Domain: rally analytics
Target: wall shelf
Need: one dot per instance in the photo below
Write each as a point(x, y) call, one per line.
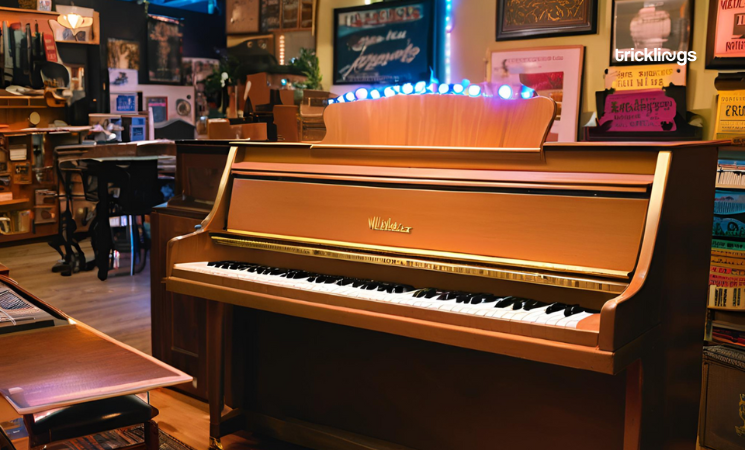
point(731, 186)
point(15, 201)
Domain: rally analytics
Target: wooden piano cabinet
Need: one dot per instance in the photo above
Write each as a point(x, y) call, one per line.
point(178, 321)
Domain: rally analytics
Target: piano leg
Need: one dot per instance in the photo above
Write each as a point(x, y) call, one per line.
point(215, 369)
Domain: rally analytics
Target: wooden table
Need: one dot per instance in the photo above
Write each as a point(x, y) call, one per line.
point(71, 363)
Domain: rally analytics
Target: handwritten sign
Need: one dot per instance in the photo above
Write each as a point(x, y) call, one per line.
point(382, 43)
point(625, 78)
point(634, 111)
point(730, 114)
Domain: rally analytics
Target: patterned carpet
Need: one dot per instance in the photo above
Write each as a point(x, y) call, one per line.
point(111, 440)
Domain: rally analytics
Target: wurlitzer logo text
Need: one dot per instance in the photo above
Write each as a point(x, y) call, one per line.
point(378, 224)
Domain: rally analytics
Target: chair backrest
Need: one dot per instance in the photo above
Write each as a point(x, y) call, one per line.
point(285, 117)
point(252, 131)
point(259, 90)
point(220, 129)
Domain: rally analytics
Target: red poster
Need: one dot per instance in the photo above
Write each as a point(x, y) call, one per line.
point(50, 47)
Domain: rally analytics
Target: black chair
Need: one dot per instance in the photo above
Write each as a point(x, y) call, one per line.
point(136, 182)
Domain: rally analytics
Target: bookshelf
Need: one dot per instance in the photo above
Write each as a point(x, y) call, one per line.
point(726, 300)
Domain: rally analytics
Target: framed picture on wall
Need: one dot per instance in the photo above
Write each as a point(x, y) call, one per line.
point(123, 54)
point(164, 40)
point(384, 43)
point(160, 108)
point(529, 19)
point(553, 72)
point(657, 28)
point(725, 37)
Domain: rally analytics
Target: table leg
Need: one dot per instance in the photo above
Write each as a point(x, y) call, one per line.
point(215, 369)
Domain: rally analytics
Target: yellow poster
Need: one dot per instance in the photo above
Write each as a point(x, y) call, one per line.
point(626, 78)
point(730, 115)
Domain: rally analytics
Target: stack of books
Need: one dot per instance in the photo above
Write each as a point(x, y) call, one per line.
point(730, 172)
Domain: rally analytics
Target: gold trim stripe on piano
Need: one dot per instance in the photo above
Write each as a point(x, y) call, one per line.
point(439, 254)
point(388, 260)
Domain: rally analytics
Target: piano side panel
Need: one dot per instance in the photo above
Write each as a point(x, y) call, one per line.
point(423, 395)
point(596, 232)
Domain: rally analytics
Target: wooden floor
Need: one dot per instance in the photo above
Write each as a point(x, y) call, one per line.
point(119, 306)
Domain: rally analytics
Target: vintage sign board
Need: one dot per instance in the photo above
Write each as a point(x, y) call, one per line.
point(625, 78)
point(384, 43)
point(730, 122)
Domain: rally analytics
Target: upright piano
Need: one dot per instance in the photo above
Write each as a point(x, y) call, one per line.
point(434, 276)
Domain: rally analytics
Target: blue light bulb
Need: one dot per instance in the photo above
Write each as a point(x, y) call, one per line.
point(458, 88)
point(375, 94)
point(526, 92)
point(361, 94)
point(474, 90)
point(407, 88)
point(349, 96)
point(340, 99)
point(389, 92)
point(420, 87)
point(330, 101)
point(443, 88)
point(505, 91)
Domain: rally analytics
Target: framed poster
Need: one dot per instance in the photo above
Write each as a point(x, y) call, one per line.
point(122, 79)
point(384, 43)
point(125, 102)
point(725, 36)
point(269, 15)
point(164, 39)
point(160, 108)
point(554, 72)
point(640, 25)
point(242, 16)
point(123, 54)
point(528, 19)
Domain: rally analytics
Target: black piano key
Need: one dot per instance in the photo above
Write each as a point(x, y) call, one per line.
point(555, 307)
point(426, 293)
point(345, 281)
point(533, 304)
point(506, 302)
point(449, 295)
point(483, 298)
point(399, 288)
point(572, 310)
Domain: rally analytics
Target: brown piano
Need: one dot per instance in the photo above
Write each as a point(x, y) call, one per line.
point(432, 276)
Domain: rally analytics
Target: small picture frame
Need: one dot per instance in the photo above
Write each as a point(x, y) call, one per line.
point(123, 103)
point(44, 5)
point(553, 72)
point(663, 26)
point(22, 173)
point(529, 19)
point(725, 36)
point(160, 108)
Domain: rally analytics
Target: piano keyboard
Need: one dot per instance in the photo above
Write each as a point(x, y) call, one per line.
point(506, 308)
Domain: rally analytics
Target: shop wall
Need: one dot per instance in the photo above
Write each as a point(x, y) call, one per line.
point(203, 33)
point(474, 33)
